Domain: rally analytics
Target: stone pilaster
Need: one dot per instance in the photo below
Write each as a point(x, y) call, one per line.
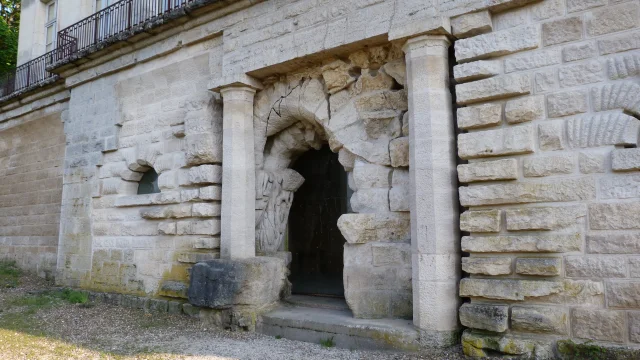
point(434, 205)
point(237, 237)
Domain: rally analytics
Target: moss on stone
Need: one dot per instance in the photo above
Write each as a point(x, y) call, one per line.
point(588, 350)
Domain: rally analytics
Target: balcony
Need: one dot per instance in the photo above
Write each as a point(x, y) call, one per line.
point(117, 22)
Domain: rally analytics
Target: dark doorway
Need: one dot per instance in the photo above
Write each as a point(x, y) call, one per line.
point(314, 239)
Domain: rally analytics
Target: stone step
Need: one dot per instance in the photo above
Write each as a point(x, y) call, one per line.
point(315, 325)
point(318, 302)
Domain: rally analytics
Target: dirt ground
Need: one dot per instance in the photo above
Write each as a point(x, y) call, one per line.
point(37, 322)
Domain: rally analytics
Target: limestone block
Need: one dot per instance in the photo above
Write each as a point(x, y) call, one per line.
point(591, 163)
point(391, 254)
point(552, 136)
point(405, 124)
point(493, 88)
point(367, 176)
point(487, 266)
point(619, 95)
point(471, 24)
point(370, 200)
point(634, 266)
point(497, 44)
point(208, 243)
point(203, 149)
point(561, 31)
point(170, 197)
point(611, 324)
point(595, 267)
point(539, 319)
point(579, 5)
point(623, 294)
point(549, 165)
point(615, 44)
point(499, 142)
point(397, 70)
point(530, 244)
point(559, 190)
point(545, 80)
point(399, 151)
point(473, 344)
point(364, 228)
point(539, 266)
point(612, 18)
point(347, 159)
point(369, 290)
point(614, 216)
point(399, 199)
point(508, 289)
point(621, 67)
point(211, 193)
point(205, 174)
point(480, 221)
point(476, 70)
point(525, 109)
point(198, 227)
point(206, 209)
point(579, 51)
point(478, 116)
point(532, 60)
point(381, 124)
point(567, 103)
point(167, 228)
point(254, 282)
point(336, 76)
point(544, 218)
point(373, 80)
point(616, 243)
point(634, 327)
point(547, 9)
point(625, 159)
point(616, 129)
point(400, 178)
point(580, 74)
point(485, 317)
point(168, 180)
point(166, 212)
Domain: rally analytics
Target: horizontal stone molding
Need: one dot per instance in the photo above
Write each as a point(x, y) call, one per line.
point(524, 244)
point(508, 289)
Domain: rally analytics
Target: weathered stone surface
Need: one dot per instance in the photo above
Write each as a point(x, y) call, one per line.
point(634, 266)
point(584, 292)
point(545, 80)
point(487, 266)
point(551, 135)
point(614, 216)
point(548, 165)
point(533, 244)
point(595, 267)
point(221, 284)
point(623, 66)
point(165, 212)
point(369, 291)
point(363, 228)
point(506, 169)
point(532, 60)
point(539, 319)
point(625, 159)
point(615, 44)
point(539, 266)
point(170, 197)
point(497, 44)
point(567, 103)
point(623, 294)
point(206, 209)
point(370, 201)
point(615, 243)
point(198, 227)
point(634, 327)
point(561, 31)
point(544, 218)
point(478, 116)
point(399, 151)
point(623, 95)
point(614, 129)
point(399, 199)
point(167, 228)
point(204, 174)
point(203, 149)
point(580, 74)
point(471, 24)
point(336, 76)
point(591, 163)
point(397, 69)
point(610, 326)
point(508, 289)
point(612, 19)
point(507, 141)
point(367, 176)
point(210, 193)
point(579, 5)
point(579, 51)
point(391, 254)
point(485, 317)
point(480, 221)
point(473, 344)
point(525, 109)
point(547, 9)
point(476, 70)
point(559, 190)
point(493, 88)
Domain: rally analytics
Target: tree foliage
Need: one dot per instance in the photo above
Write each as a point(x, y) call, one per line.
point(9, 29)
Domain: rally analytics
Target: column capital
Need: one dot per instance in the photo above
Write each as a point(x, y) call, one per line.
point(423, 41)
point(235, 81)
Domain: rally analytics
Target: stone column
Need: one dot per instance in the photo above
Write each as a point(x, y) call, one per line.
point(237, 236)
point(434, 202)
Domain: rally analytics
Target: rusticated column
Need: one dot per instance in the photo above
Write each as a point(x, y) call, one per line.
point(434, 204)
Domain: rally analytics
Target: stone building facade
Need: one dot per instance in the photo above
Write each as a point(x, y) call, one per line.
point(489, 149)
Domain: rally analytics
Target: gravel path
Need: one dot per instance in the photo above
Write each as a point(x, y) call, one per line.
point(67, 331)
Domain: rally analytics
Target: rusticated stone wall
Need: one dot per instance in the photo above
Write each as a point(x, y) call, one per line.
point(31, 158)
point(549, 113)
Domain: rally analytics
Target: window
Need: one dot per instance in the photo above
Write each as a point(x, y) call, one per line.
point(50, 26)
point(149, 183)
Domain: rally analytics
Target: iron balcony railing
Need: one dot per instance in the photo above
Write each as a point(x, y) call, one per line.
point(112, 21)
point(28, 74)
